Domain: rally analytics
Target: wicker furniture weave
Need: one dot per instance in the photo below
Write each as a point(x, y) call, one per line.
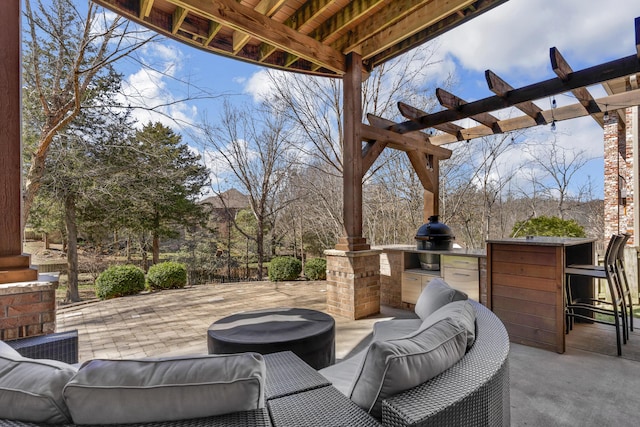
point(287, 374)
point(473, 392)
point(62, 346)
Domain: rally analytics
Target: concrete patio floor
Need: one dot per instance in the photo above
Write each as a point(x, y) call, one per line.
point(547, 389)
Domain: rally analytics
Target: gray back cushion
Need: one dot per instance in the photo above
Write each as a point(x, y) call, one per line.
point(436, 294)
point(168, 389)
point(393, 366)
point(461, 312)
point(31, 389)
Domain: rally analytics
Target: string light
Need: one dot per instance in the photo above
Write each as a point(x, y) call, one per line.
point(606, 113)
point(553, 103)
point(553, 126)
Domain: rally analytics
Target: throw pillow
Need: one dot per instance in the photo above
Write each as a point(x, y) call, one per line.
point(436, 294)
point(165, 389)
point(461, 312)
point(393, 366)
point(31, 389)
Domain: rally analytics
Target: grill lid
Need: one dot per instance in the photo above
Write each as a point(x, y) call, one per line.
point(434, 230)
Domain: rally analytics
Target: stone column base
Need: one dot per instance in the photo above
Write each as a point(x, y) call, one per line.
point(27, 309)
point(353, 283)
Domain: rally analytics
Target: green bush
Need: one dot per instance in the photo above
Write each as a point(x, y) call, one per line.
point(548, 226)
point(119, 280)
point(284, 268)
point(316, 269)
point(167, 275)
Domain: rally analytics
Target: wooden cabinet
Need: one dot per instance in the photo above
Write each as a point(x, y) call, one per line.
point(413, 282)
point(462, 273)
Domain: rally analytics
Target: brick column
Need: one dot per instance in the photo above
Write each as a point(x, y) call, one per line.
point(27, 310)
point(391, 266)
point(353, 283)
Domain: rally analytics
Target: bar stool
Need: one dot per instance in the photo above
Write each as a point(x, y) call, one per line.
point(586, 308)
point(625, 289)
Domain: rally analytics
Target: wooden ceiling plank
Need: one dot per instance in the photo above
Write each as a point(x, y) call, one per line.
point(344, 18)
point(502, 89)
point(242, 18)
point(567, 112)
point(563, 70)
point(308, 11)
point(453, 102)
point(589, 76)
point(372, 41)
point(410, 112)
point(267, 8)
point(418, 141)
point(145, 8)
point(178, 18)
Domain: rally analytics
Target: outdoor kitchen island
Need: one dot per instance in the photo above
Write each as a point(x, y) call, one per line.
point(402, 277)
point(525, 285)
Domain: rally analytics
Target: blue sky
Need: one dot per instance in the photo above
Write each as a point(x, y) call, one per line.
point(512, 40)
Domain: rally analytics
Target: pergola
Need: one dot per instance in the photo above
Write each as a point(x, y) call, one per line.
point(340, 39)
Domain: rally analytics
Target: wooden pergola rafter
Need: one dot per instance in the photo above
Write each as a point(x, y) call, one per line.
point(619, 78)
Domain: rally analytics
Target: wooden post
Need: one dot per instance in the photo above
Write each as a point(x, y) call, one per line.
point(14, 267)
point(352, 239)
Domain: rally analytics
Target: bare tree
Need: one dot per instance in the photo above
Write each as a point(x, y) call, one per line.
point(66, 52)
point(254, 146)
point(315, 105)
point(559, 166)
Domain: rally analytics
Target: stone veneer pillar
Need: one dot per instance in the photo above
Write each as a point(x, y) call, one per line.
point(353, 283)
point(619, 177)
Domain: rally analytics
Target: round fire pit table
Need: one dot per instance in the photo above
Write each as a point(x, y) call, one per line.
point(310, 334)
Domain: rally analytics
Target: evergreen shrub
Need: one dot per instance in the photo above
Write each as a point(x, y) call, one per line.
point(167, 275)
point(284, 268)
point(548, 226)
point(119, 280)
point(316, 269)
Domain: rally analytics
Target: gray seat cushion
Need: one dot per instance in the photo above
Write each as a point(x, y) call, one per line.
point(31, 389)
point(342, 374)
point(167, 389)
point(436, 294)
point(396, 328)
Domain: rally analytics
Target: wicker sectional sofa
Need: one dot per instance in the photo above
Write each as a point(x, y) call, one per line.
point(474, 391)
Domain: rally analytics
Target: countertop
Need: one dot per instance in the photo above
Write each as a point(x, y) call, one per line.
point(544, 241)
point(477, 253)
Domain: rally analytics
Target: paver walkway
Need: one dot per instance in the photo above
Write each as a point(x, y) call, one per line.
point(175, 322)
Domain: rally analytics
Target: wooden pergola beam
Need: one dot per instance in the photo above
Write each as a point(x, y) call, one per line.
point(589, 76)
point(453, 102)
point(558, 114)
point(413, 142)
point(411, 113)
point(502, 89)
point(563, 70)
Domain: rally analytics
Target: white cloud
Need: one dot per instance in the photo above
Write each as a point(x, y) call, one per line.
point(516, 36)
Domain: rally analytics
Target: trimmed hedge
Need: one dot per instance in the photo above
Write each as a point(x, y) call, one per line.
point(284, 268)
point(167, 275)
point(316, 269)
point(120, 280)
